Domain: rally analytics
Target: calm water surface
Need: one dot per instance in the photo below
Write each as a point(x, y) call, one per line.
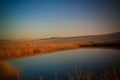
point(94, 60)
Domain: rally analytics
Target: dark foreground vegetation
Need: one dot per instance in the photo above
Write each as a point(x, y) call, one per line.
point(8, 72)
point(112, 74)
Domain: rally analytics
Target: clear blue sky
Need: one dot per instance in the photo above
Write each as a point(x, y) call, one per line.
point(57, 18)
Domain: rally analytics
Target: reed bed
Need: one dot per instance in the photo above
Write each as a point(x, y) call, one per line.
point(112, 74)
point(19, 51)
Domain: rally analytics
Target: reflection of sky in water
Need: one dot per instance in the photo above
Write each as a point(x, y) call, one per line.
point(64, 61)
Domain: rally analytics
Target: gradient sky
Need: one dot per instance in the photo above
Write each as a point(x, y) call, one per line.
point(57, 18)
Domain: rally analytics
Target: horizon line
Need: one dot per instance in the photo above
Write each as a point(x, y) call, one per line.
point(32, 38)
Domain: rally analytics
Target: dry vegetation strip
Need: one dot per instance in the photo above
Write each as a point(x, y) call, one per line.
point(18, 51)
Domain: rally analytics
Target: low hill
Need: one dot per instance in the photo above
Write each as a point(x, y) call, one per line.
point(89, 38)
point(10, 49)
point(113, 37)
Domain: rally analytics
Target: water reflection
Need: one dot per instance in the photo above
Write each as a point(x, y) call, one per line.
point(59, 63)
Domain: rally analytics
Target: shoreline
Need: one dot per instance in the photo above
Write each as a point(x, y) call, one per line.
point(20, 51)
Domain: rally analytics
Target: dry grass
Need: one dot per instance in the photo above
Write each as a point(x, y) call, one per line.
point(18, 51)
point(7, 52)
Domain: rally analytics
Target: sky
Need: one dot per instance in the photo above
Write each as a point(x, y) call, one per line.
point(58, 18)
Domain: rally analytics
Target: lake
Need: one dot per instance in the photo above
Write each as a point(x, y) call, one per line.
point(59, 63)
